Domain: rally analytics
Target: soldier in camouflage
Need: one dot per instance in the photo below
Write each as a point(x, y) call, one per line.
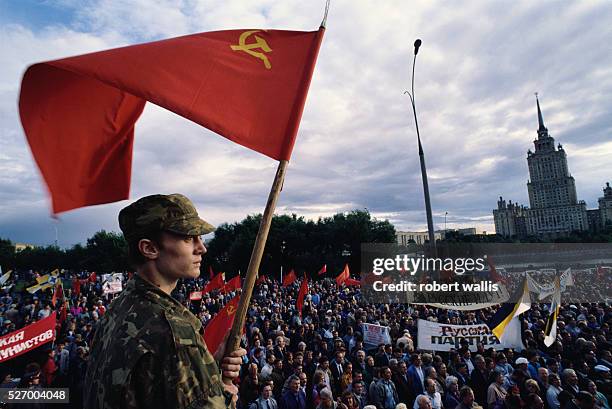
point(148, 351)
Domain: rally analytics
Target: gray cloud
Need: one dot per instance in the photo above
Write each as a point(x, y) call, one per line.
point(477, 70)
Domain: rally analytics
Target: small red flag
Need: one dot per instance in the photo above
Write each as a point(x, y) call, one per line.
point(289, 278)
point(344, 275)
point(218, 326)
point(352, 281)
point(57, 293)
point(217, 282)
point(495, 276)
point(76, 286)
point(260, 279)
point(232, 285)
point(92, 277)
point(323, 270)
point(249, 86)
point(301, 294)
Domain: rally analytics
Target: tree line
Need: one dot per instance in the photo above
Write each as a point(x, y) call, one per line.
point(293, 243)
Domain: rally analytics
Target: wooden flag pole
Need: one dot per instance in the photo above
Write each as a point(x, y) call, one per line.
point(233, 341)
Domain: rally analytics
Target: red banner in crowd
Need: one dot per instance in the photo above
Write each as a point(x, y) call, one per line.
point(27, 338)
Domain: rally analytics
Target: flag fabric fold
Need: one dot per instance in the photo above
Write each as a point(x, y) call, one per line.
point(218, 326)
point(5, 277)
point(550, 329)
point(508, 311)
point(352, 281)
point(301, 294)
point(58, 292)
point(45, 281)
point(217, 282)
point(79, 113)
point(289, 279)
point(232, 285)
point(323, 270)
point(344, 275)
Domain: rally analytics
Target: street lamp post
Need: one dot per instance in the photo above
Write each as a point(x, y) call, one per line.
point(430, 229)
point(445, 214)
point(282, 249)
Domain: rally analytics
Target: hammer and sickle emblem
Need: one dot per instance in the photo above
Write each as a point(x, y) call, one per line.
point(230, 310)
point(248, 48)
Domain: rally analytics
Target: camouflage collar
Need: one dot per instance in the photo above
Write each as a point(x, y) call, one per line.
point(167, 302)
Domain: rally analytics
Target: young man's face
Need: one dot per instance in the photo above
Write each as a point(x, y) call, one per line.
point(180, 256)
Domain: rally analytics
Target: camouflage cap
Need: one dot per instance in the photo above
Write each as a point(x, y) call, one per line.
point(174, 213)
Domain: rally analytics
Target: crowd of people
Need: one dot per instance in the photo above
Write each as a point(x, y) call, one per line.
point(320, 359)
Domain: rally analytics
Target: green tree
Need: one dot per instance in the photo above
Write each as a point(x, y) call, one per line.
point(7, 254)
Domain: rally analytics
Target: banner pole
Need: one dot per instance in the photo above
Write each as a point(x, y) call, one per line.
point(233, 341)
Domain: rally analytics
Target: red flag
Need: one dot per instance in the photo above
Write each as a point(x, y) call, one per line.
point(260, 279)
point(289, 278)
point(344, 275)
point(58, 292)
point(301, 294)
point(232, 285)
point(495, 276)
point(76, 286)
point(323, 270)
point(249, 86)
point(211, 273)
point(218, 281)
point(92, 277)
point(195, 295)
point(352, 281)
point(63, 313)
point(218, 326)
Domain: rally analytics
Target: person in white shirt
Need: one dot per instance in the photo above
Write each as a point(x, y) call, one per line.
point(434, 397)
point(265, 401)
point(267, 369)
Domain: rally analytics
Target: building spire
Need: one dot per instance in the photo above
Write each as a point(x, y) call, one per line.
point(541, 127)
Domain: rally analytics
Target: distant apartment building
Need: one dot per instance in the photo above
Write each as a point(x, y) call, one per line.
point(418, 237)
point(554, 208)
point(23, 246)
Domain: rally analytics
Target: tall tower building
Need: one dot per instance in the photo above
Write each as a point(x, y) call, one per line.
point(605, 206)
point(554, 208)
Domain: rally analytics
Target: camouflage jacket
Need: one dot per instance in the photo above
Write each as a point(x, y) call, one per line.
point(148, 352)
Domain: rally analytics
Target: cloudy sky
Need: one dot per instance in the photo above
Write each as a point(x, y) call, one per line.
point(477, 71)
